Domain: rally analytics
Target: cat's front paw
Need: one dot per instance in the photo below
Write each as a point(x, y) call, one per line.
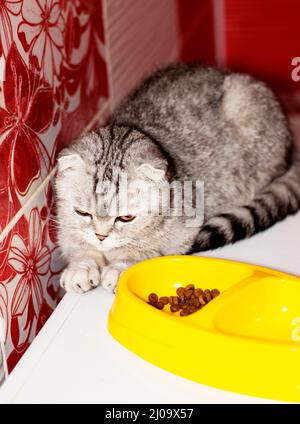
point(80, 277)
point(111, 274)
point(109, 278)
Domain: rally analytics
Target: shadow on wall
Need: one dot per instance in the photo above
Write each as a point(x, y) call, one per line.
point(260, 38)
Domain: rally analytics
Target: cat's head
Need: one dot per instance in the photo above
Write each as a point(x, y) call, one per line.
point(103, 184)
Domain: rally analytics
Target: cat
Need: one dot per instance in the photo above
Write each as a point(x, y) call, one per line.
point(184, 122)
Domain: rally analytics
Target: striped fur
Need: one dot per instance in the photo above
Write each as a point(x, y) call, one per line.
point(278, 200)
point(183, 123)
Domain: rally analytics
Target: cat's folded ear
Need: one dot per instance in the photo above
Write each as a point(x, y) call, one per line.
point(151, 172)
point(68, 160)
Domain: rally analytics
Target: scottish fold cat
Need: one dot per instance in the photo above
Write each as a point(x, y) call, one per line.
point(184, 123)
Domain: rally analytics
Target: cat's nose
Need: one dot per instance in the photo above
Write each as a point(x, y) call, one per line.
point(101, 237)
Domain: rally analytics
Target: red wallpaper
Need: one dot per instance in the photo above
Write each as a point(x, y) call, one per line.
point(196, 22)
point(254, 36)
point(53, 79)
point(263, 38)
point(64, 64)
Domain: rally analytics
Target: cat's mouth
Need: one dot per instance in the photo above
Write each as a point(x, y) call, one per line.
point(101, 237)
point(110, 244)
point(105, 246)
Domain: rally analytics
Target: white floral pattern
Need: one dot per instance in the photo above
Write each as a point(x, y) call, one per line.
point(47, 49)
point(42, 34)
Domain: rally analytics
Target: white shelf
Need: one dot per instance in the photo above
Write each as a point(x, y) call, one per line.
point(75, 360)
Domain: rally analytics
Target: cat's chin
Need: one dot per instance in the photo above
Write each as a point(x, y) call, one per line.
point(106, 246)
point(102, 248)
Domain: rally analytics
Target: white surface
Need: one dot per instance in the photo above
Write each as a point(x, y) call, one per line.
point(75, 360)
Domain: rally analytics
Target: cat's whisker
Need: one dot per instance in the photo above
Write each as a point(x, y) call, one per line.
point(186, 123)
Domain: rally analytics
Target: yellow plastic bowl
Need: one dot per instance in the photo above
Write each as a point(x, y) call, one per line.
point(246, 340)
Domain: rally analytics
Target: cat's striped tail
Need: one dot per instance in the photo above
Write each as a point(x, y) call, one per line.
point(279, 199)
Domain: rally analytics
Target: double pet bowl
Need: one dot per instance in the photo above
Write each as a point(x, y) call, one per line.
point(246, 340)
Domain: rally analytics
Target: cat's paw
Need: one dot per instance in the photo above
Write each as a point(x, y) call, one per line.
point(109, 278)
point(80, 277)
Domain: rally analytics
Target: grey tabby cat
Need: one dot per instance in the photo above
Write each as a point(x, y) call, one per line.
point(185, 122)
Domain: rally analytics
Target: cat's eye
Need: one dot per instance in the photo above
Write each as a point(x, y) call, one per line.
point(126, 218)
point(82, 213)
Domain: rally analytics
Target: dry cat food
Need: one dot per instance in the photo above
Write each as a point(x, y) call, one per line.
point(188, 300)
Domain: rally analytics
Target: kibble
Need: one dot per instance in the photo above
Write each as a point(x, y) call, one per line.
point(180, 292)
point(215, 293)
point(188, 293)
point(153, 298)
point(188, 300)
point(174, 308)
point(173, 300)
point(198, 292)
point(202, 300)
point(164, 300)
point(207, 295)
point(159, 305)
point(195, 302)
point(190, 287)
